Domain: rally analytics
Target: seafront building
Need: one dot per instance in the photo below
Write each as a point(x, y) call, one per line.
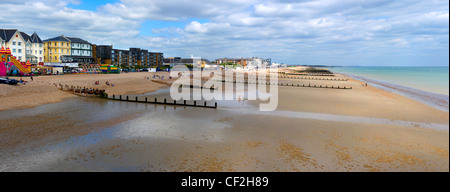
point(63, 49)
point(81, 51)
point(250, 63)
point(134, 57)
point(173, 61)
point(55, 48)
point(23, 47)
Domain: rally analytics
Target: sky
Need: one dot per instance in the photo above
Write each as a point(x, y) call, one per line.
point(307, 32)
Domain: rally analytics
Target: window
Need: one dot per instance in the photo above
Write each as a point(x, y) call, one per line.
point(35, 51)
point(14, 42)
point(14, 51)
point(40, 45)
point(40, 52)
point(20, 50)
point(56, 58)
point(55, 44)
point(67, 44)
point(20, 58)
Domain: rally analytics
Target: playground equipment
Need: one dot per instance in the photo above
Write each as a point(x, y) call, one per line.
point(109, 68)
point(90, 68)
point(8, 61)
point(98, 68)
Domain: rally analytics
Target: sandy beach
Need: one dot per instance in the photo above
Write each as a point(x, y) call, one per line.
point(362, 129)
point(42, 90)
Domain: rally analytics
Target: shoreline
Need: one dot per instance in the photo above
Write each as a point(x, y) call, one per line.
point(432, 99)
point(423, 85)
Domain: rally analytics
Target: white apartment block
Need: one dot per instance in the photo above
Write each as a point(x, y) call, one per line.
point(23, 46)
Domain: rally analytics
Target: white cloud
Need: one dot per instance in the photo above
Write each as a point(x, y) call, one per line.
point(281, 29)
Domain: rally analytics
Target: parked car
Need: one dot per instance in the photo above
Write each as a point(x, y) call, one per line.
point(8, 81)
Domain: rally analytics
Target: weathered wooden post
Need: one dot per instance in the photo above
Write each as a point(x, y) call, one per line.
point(114, 96)
point(195, 103)
point(146, 99)
point(120, 97)
point(127, 98)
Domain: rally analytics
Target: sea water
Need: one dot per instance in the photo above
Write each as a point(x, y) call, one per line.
point(429, 85)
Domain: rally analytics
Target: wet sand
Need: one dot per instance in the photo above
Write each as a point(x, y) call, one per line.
point(82, 134)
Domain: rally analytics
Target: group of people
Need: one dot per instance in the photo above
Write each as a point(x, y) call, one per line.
point(107, 83)
point(22, 81)
point(159, 77)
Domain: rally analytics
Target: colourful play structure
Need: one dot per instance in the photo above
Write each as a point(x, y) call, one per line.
point(90, 68)
point(98, 68)
point(9, 63)
point(109, 68)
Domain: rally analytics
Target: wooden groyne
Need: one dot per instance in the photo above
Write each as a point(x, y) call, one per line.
point(196, 87)
point(90, 92)
point(290, 85)
point(308, 74)
point(82, 91)
point(312, 78)
point(183, 103)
